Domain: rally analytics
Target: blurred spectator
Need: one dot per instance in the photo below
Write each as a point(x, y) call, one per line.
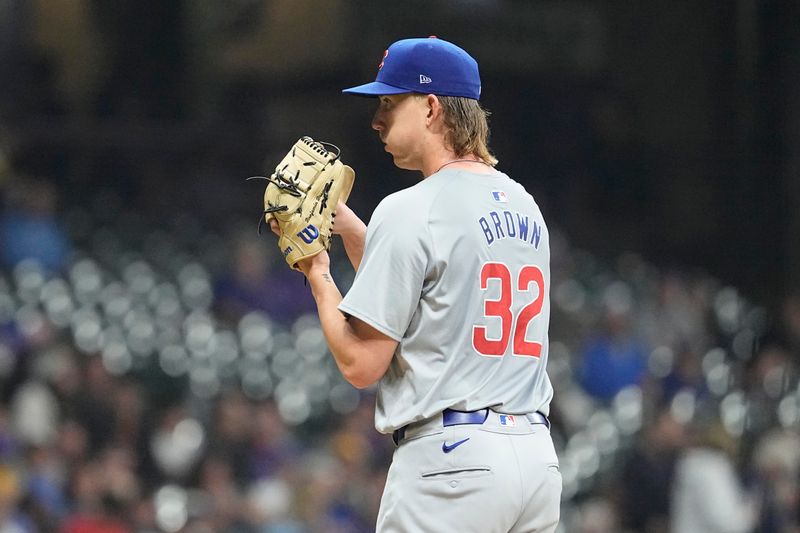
point(767, 380)
point(45, 479)
point(614, 358)
point(271, 507)
point(686, 374)
point(275, 459)
point(122, 482)
point(96, 510)
point(776, 461)
point(233, 428)
point(222, 502)
point(92, 403)
point(647, 476)
point(129, 404)
point(274, 446)
point(597, 515)
point(707, 494)
point(11, 520)
point(260, 280)
point(8, 444)
point(29, 228)
point(329, 503)
point(684, 303)
point(35, 414)
point(73, 443)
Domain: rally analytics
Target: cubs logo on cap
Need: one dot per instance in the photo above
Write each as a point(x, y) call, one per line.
point(427, 66)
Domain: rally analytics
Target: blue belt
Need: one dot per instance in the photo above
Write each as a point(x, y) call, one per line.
point(451, 417)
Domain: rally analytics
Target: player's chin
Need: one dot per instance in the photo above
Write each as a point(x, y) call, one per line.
point(401, 163)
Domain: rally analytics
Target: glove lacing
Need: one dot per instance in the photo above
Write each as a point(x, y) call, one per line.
point(288, 184)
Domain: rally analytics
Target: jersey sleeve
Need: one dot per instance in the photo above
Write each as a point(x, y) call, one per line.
point(387, 287)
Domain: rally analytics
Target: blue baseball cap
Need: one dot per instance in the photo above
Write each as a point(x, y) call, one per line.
point(427, 66)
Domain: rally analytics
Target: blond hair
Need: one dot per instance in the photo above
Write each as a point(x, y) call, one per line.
point(467, 124)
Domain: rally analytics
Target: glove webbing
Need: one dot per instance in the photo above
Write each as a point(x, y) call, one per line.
point(289, 185)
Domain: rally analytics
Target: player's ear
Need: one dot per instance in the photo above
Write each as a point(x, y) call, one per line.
point(434, 108)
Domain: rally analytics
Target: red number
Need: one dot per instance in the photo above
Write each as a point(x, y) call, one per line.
point(501, 309)
point(497, 308)
point(529, 274)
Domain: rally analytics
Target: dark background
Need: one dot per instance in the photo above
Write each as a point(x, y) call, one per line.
point(666, 128)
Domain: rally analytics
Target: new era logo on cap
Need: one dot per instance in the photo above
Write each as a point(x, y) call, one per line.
point(424, 79)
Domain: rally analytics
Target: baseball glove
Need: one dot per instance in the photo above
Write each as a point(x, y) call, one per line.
point(302, 195)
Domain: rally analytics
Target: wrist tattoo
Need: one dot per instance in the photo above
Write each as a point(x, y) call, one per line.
point(327, 277)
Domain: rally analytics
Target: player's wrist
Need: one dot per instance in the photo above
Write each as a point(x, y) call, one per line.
point(323, 287)
point(318, 271)
point(317, 265)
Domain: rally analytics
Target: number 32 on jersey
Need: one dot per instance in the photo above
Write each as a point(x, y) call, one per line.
point(513, 328)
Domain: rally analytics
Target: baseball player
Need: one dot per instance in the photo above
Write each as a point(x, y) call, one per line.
point(449, 310)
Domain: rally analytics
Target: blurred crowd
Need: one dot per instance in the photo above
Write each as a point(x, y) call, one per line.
point(147, 384)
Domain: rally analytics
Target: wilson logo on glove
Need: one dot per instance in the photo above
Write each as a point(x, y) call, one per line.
point(309, 234)
point(302, 195)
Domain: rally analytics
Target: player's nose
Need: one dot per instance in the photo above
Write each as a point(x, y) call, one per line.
point(377, 122)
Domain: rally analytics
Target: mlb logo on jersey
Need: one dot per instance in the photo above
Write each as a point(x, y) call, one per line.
point(500, 196)
point(508, 420)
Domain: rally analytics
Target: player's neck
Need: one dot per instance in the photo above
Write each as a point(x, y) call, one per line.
point(468, 162)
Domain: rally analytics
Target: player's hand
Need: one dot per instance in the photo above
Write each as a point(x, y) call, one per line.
point(273, 225)
point(320, 263)
point(346, 223)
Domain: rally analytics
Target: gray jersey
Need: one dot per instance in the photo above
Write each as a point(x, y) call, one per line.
point(457, 270)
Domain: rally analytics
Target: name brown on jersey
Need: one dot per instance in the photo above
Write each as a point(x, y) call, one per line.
point(499, 225)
